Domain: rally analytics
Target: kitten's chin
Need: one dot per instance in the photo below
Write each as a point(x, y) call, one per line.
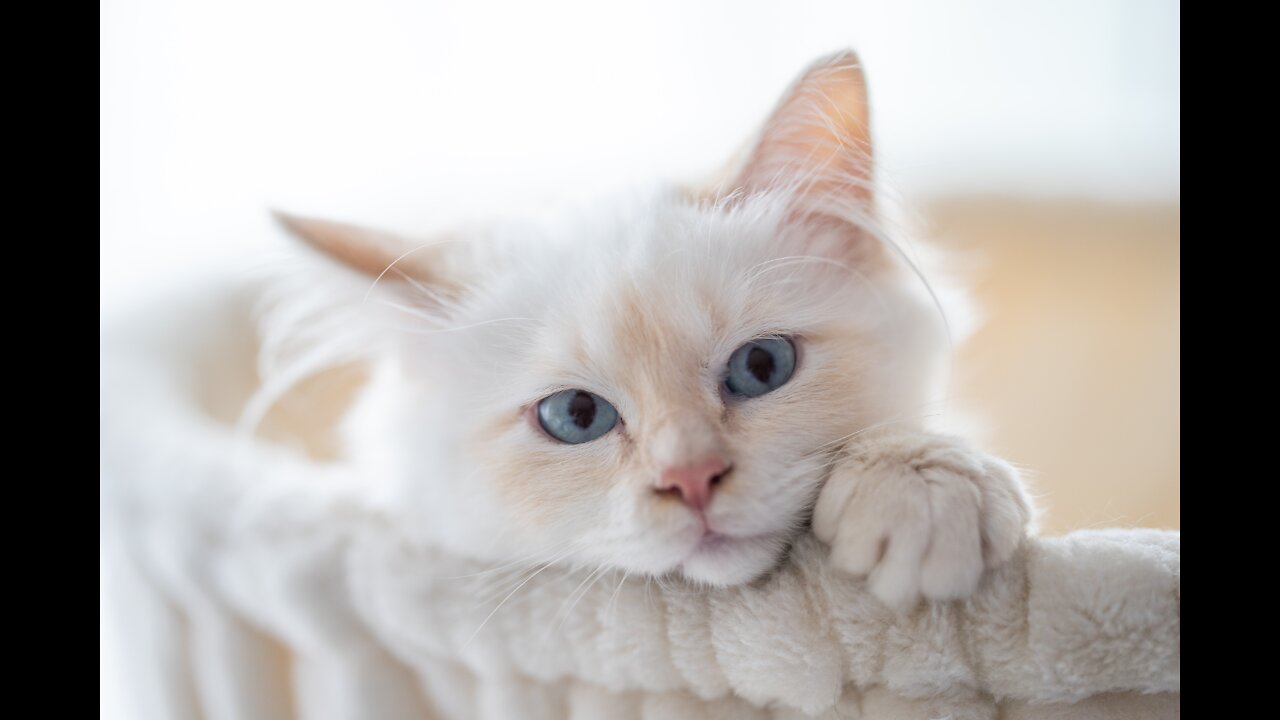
point(723, 561)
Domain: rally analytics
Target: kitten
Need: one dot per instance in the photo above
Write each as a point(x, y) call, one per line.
point(677, 385)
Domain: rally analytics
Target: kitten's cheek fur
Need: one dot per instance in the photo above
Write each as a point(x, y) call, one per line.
point(921, 516)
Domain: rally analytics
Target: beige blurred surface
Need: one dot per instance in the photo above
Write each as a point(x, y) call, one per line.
point(1075, 373)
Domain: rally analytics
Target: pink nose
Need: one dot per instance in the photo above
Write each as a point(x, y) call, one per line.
point(694, 482)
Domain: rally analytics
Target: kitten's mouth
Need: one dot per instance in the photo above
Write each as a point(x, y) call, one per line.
point(714, 543)
point(721, 560)
point(711, 540)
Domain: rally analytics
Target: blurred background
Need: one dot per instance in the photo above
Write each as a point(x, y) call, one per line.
point(1039, 138)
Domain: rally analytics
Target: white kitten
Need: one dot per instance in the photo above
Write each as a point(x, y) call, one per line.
point(665, 387)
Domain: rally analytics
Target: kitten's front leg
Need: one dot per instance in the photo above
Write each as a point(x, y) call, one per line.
point(920, 514)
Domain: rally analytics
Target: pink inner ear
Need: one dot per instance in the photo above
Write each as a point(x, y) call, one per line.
point(368, 251)
point(818, 140)
point(379, 254)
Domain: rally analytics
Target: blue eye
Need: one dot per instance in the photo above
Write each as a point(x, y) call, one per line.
point(760, 366)
point(576, 416)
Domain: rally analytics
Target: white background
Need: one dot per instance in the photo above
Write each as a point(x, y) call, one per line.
point(415, 114)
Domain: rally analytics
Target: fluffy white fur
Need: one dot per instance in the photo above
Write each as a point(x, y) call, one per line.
point(239, 552)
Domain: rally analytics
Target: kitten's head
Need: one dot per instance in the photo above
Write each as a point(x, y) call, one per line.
point(661, 386)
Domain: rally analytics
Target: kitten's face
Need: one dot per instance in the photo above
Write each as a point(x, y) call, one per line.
point(647, 317)
point(705, 473)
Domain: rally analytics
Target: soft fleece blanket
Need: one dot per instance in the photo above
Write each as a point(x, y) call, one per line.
point(256, 591)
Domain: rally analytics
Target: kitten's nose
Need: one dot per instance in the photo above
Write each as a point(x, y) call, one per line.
point(694, 482)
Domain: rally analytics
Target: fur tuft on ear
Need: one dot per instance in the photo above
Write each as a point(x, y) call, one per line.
point(818, 139)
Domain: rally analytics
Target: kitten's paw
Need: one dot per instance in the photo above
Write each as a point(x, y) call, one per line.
point(921, 515)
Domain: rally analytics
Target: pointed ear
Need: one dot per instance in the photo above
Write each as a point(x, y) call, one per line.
point(380, 254)
point(818, 140)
